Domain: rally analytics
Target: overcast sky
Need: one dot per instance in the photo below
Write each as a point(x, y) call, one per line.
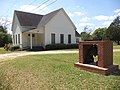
point(91, 13)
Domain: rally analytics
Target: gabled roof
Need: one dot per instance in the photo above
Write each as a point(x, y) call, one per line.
point(46, 18)
point(34, 20)
point(31, 20)
point(28, 19)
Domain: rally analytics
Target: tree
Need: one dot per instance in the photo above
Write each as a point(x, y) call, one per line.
point(5, 38)
point(99, 34)
point(3, 29)
point(113, 31)
point(86, 36)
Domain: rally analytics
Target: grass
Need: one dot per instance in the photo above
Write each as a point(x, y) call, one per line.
point(3, 51)
point(53, 72)
point(116, 47)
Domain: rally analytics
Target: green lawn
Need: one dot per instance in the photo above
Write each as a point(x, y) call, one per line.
point(53, 72)
point(116, 47)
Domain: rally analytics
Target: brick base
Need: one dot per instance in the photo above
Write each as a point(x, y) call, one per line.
point(96, 69)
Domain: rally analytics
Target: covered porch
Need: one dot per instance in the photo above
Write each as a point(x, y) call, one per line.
point(32, 38)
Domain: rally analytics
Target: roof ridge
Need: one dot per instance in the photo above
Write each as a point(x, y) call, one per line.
point(28, 13)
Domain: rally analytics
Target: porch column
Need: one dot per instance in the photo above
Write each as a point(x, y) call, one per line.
point(30, 40)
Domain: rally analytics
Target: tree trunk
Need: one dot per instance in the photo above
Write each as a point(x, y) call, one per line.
point(118, 43)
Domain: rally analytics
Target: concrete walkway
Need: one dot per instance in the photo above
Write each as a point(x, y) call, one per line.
point(4, 57)
point(10, 56)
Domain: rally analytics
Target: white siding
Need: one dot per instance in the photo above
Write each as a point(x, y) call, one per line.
point(25, 40)
point(16, 30)
point(59, 24)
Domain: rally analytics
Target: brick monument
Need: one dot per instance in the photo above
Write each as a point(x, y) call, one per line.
point(104, 50)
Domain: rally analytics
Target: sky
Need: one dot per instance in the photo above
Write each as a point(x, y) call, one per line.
point(92, 14)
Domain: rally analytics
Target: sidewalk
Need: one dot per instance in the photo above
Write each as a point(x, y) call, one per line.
point(4, 57)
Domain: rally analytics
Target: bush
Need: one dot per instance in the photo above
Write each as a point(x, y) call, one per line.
point(14, 48)
point(37, 48)
point(60, 46)
point(72, 46)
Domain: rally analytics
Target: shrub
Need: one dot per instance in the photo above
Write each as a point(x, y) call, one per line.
point(37, 48)
point(60, 46)
point(72, 46)
point(14, 48)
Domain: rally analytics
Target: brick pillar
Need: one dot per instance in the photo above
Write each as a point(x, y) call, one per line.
point(81, 53)
point(108, 54)
point(100, 55)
